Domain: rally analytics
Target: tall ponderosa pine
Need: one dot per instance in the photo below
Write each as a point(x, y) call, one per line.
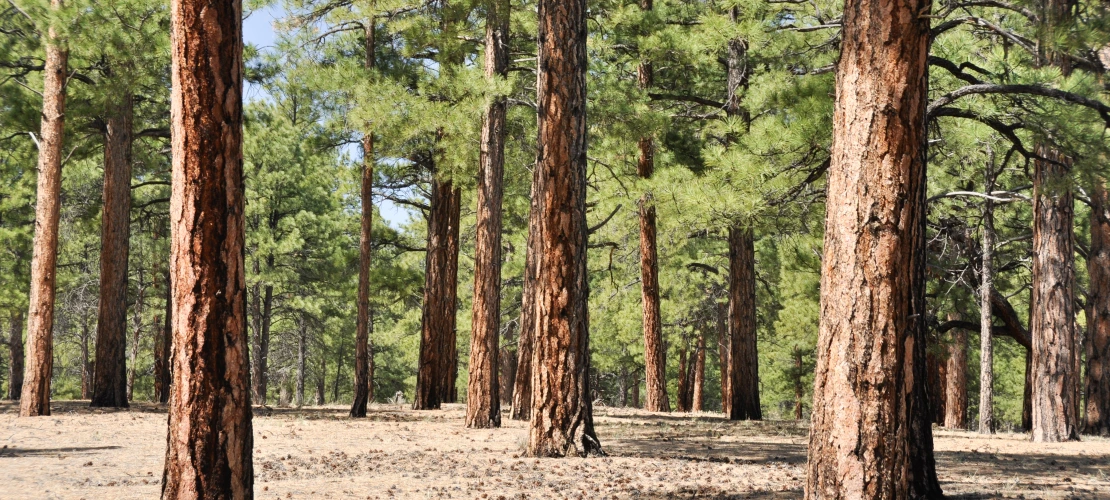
point(364, 358)
point(438, 314)
point(562, 413)
point(483, 398)
point(39, 361)
point(871, 434)
point(522, 386)
point(655, 361)
point(110, 387)
point(209, 448)
point(1098, 315)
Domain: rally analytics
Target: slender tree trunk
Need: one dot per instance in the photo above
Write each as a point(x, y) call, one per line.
point(209, 447)
point(724, 347)
point(256, 339)
point(744, 358)
point(86, 365)
point(683, 388)
point(439, 310)
point(302, 361)
point(15, 349)
point(955, 408)
point(655, 361)
point(870, 435)
point(338, 372)
point(264, 343)
point(450, 369)
point(635, 390)
point(39, 363)
point(364, 359)
point(139, 301)
point(522, 386)
point(483, 399)
point(109, 386)
point(698, 393)
point(562, 413)
point(986, 334)
point(320, 380)
point(1053, 308)
point(1098, 315)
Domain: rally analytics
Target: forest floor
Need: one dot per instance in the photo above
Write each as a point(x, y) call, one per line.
point(317, 452)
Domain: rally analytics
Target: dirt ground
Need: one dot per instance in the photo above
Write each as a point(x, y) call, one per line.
point(397, 453)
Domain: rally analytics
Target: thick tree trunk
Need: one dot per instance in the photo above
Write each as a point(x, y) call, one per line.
point(39, 363)
point(15, 349)
point(744, 358)
point(697, 394)
point(483, 397)
point(562, 413)
point(109, 386)
point(302, 361)
point(1053, 306)
point(163, 349)
point(209, 447)
point(522, 386)
point(955, 408)
point(437, 320)
point(655, 361)
point(724, 348)
point(870, 436)
point(1098, 316)
point(364, 359)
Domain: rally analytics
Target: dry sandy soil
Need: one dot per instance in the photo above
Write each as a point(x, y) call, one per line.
point(399, 453)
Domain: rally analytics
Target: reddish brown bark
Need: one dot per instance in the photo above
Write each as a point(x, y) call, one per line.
point(697, 393)
point(109, 369)
point(483, 401)
point(1052, 324)
point(955, 406)
point(364, 358)
point(655, 361)
point(744, 357)
point(15, 349)
point(449, 372)
point(438, 314)
point(562, 414)
point(935, 365)
point(870, 435)
point(522, 386)
point(724, 347)
point(1098, 316)
point(39, 362)
point(209, 447)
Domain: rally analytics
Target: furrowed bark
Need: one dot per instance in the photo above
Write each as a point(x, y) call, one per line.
point(1098, 316)
point(698, 393)
point(562, 414)
point(724, 348)
point(870, 435)
point(209, 447)
point(1052, 325)
point(364, 359)
point(483, 401)
point(438, 310)
point(110, 388)
point(449, 372)
point(744, 358)
point(39, 361)
point(655, 361)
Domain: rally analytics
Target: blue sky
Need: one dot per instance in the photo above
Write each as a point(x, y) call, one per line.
point(258, 30)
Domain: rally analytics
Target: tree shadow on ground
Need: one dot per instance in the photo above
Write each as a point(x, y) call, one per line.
point(983, 474)
point(72, 450)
